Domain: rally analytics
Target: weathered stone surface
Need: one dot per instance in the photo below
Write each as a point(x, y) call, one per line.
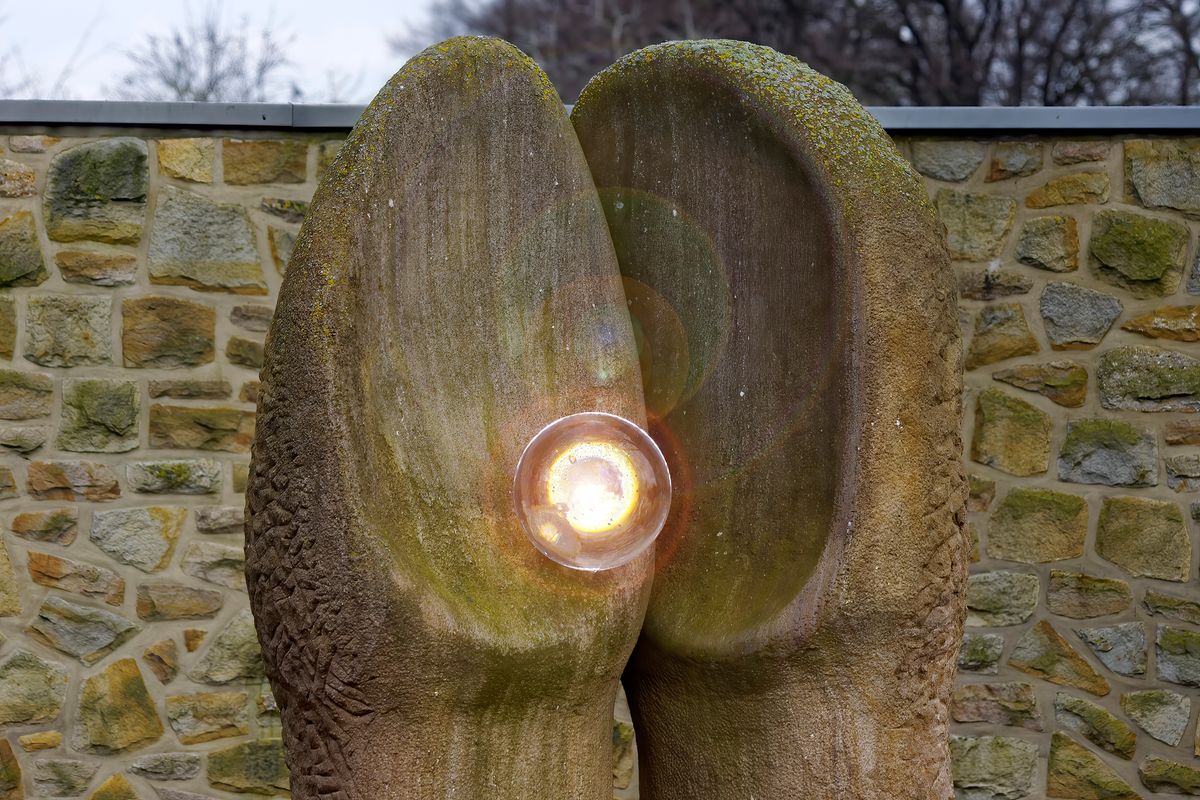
point(16, 179)
point(252, 317)
point(71, 480)
point(23, 439)
point(624, 757)
point(250, 161)
point(1164, 173)
point(1038, 525)
point(1178, 655)
point(1141, 254)
point(1050, 243)
point(1000, 332)
point(187, 159)
point(8, 327)
point(162, 658)
point(1063, 382)
point(97, 191)
point(62, 777)
point(193, 638)
point(1095, 724)
point(83, 632)
point(99, 416)
point(177, 794)
point(175, 476)
point(1121, 648)
point(241, 473)
point(326, 152)
point(1180, 608)
point(976, 224)
point(10, 774)
point(281, 242)
point(116, 713)
point(167, 766)
point(946, 160)
point(206, 716)
point(1046, 654)
point(25, 395)
point(220, 564)
point(220, 519)
point(96, 269)
point(40, 740)
point(982, 492)
point(1180, 323)
point(1170, 777)
point(1001, 598)
point(8, 483)
point(68, 330)
point(1183, 472)
point(159, 601)
point(21, 261)
point(256, 767)
point(39, 143)
point(1067, 190)
point(1067, 153)
point(115, 787)
point(10, 594)
point(991, 282)
point(1080, 596)
point(77, 577)
point(1144, 378)
point(191, 389)
point(981, 653)
point(992, 767)
point(1079, 774)
point(233, 656)
point(1075, 317)
point(1015, 160)
point(167, 332)
point(1012, 704)
point(244, 352)
point(250, 392)
point(286, 209)
point(1010, 434)
point(228, 430)
point(1110, 452)
point(1144, 537)
point(1161, 713)
point(143, 537)
point(31, 689)
point(203, 244)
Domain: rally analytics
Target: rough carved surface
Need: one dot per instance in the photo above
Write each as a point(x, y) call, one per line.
point(453, 290)
point(809, 583)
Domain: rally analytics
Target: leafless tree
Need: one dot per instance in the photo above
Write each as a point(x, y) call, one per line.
point(929, 52)
point(209, 60)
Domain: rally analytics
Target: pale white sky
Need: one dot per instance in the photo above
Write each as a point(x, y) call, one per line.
point(348, 36)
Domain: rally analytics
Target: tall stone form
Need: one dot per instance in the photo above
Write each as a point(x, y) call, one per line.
point(801, 362)
point(454, 290)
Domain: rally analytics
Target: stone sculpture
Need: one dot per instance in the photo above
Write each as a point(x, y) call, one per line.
point(778, 278)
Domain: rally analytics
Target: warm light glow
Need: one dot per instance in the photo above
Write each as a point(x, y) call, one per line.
point(592, 491)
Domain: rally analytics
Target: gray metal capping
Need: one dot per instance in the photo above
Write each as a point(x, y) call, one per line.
point(305, 117)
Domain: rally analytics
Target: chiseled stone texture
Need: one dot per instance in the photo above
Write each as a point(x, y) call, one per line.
point(1010, 435)
point(187, 159)
point(142, 537)
point(204, 244)
point(1043, 652)
point(116, 712)
point(1038, 525)
point(249, 161)
point(1075, 317)
point(1095, 724)
point(946, 160)
point(976, 224)
point(1050, 243)
point(99, 416)
point(1077, 773)
point(1144, 537)
point(1080, 596)
point(1001, 332)
point(32, 689)
point(1012, 704)
point(21, 260)
point(67, 330)
point(97, 191)
point(1159, 712)
point(175, 476)
point(1110, 452)
point(1121, 648)
point(167, 332)
point(1145, 378)
point(84, 632)
point(1001, 598)
point(987, 767)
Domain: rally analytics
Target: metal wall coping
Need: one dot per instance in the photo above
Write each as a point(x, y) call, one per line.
point(341, 117)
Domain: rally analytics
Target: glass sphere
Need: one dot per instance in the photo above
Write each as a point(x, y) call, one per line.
point(592, 491)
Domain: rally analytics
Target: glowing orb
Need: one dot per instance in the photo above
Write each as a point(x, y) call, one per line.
point(592, 491)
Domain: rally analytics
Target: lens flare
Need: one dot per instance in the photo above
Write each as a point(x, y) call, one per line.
point(592, 491)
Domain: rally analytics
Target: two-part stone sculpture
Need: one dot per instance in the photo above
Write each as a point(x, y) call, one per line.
point(512, 345)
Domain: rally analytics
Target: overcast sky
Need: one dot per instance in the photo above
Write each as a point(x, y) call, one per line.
point(92, 37)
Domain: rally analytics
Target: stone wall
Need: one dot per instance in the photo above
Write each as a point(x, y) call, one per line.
point(139, 269)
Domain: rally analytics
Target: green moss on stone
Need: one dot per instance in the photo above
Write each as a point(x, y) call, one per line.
point(1142, 254)
point(1159, 774)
